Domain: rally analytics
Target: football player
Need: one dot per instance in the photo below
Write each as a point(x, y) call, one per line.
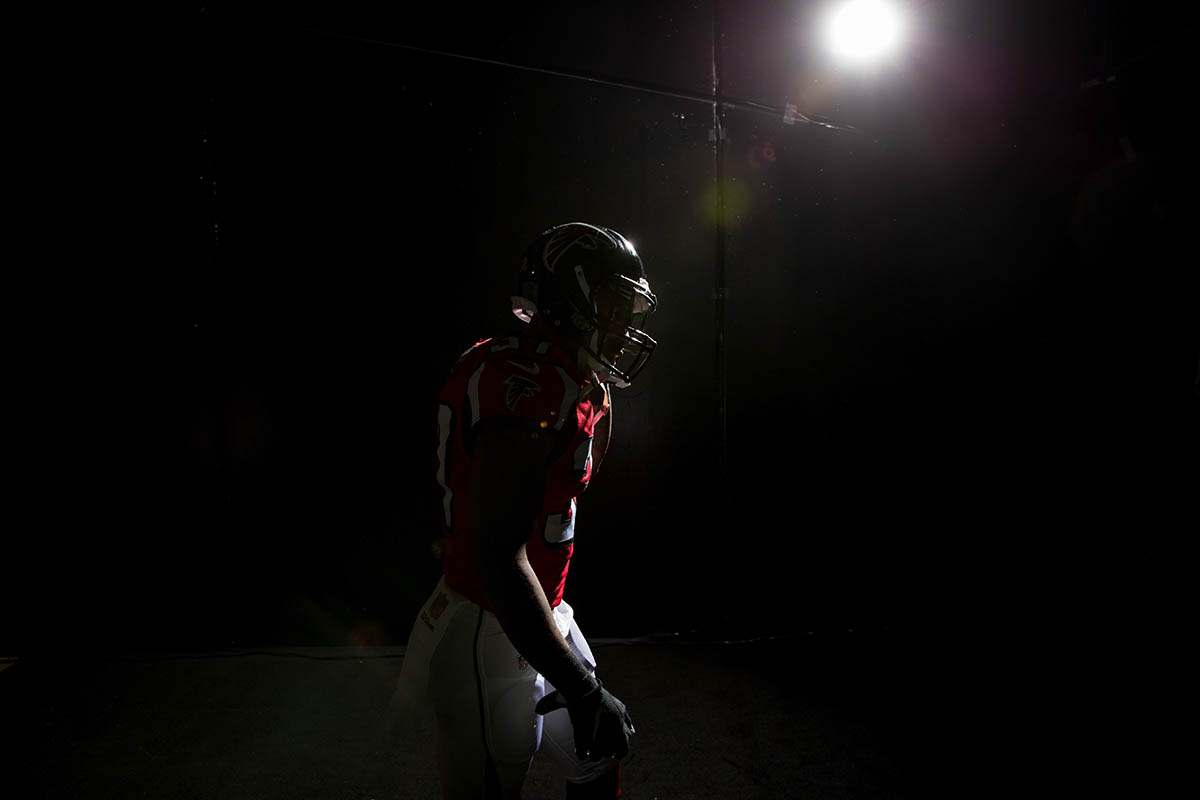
point(523, 423)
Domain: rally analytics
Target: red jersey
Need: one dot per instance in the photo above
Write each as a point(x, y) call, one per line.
point(527, 378)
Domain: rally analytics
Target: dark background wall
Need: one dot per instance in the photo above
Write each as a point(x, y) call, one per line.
point(961, 352)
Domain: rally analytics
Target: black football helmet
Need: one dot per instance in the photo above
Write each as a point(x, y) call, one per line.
point(588, 282)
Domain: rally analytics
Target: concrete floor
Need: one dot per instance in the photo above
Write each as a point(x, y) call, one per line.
point(822, 716)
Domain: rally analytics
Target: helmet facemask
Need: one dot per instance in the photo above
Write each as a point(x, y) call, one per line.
point(616, 343)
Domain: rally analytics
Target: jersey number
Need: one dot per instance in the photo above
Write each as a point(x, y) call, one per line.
point(560, 528)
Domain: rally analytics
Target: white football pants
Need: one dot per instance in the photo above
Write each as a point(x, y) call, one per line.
point(483, 692)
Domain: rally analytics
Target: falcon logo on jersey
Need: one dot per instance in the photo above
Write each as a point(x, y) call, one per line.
point(519, 387)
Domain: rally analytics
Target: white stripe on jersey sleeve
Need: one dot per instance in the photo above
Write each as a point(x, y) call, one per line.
point(473, 392)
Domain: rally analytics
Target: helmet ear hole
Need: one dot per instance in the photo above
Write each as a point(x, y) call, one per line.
point(580, 322)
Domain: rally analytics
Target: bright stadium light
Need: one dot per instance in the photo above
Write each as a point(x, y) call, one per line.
point(862, 31)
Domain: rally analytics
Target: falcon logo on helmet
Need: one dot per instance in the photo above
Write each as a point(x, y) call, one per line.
point(563, 238)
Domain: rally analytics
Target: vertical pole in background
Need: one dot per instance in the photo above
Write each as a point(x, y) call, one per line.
point(208, 180)
point(718, 140)
point(206, 265)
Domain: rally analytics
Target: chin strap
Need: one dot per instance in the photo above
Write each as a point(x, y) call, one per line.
point(587, 362)
point(600, 373)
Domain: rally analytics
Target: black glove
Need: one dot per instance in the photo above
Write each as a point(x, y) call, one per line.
point(601, 723)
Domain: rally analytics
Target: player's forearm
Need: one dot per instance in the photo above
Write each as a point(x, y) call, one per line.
point(520, 605)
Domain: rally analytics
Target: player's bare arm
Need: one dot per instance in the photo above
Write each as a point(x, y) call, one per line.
point(507, 479)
